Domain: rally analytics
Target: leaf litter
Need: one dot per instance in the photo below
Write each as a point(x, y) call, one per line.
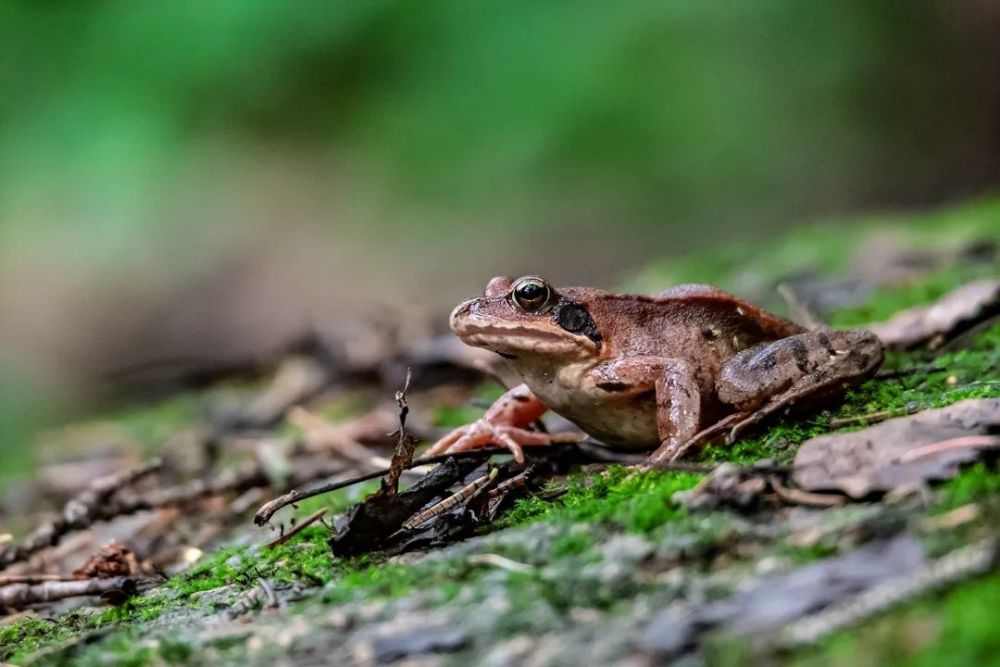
point(461, 496)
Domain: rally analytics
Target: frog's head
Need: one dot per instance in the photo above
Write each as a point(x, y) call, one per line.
point(528, 317)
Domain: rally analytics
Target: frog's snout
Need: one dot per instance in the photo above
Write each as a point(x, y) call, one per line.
point(460, 313)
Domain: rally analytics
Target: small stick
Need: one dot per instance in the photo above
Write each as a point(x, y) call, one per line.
point(800, 497)
point(269, 596)
point(963, 442)
point(965, 562)
point(82, 511)
point(502, 562)
point(514, 482)
point(875, 417)
point(20, 595)
point(800, 312)
point(308, 521)
point(36, 578)
point(457, 498)
point(268, 509)
point(403, 454)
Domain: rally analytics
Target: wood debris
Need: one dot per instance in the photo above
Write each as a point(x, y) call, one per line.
point(82, 511)
point(927, 446)
point(934, 324)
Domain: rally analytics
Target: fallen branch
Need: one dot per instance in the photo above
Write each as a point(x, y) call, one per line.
point(795, 496)
point(10, 579)
point(308, 521)
point(405, 445)
point(87, 508)
point(963, 563)
point(270, 508)
point(16, 596)
point(799, 311)
point(875, 417)
point(457, 498)
point(248, 476)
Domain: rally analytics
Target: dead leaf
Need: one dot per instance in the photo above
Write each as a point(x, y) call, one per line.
point(946, 318)
point(728, 484)
point(776, 600)
point(927, 446)
point(369, 525)
point(111, 560)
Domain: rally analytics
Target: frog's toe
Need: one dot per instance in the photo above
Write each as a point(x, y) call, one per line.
point(443, 445)
point(510, 443)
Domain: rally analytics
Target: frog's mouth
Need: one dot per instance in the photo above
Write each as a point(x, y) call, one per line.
point(510, 340)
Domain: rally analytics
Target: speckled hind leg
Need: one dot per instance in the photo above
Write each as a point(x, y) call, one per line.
point(804, 369)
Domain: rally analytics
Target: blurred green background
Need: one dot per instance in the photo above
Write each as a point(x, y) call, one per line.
point(194, 177)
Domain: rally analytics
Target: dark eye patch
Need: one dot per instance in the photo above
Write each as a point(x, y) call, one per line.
point(574, 318)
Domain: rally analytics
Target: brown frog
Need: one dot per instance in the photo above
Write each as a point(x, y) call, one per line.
point(662, 372)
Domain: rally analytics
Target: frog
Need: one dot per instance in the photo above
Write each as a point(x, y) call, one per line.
point(659, 374)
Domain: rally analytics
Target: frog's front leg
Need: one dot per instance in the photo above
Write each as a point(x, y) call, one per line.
point(806, 368)
point(505, 423)
point(678, 395)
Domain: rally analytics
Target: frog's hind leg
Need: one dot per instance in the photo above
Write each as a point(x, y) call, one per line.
point(678, 410)
point(798, 371)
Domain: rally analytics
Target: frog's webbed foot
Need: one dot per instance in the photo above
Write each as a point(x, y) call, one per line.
point(505, 424)
point(484, 433)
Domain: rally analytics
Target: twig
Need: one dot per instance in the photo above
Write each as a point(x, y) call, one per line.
point(308, 521)
point(87, 508)
point(496, 560)
point(36, 578)
point(800, 312)
point(271, 600)
point(247, 476)
point(20, 595)
point(963, 442)
point(514, 482)
point(951, 519)
point(875, 417)
point(968, 561)
point(457, 498)
point(800, 497)
point(405, 445)
point(268, 509)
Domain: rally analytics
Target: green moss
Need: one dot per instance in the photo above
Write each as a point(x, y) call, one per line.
point(151, 424)
point(637, 502)
point(973, 484)
point(21, 638)
point(220, 569)
point(26, 636)
point(803, 555)
point(958, 628)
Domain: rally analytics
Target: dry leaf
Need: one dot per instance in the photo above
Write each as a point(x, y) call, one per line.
point(951, 314)
point(927, 446)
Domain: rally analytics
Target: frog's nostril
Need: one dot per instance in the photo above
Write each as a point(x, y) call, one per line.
point(461, 311)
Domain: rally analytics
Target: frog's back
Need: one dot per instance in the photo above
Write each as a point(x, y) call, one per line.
point(700, 323)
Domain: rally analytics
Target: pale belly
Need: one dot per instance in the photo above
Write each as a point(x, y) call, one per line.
point(621, 422)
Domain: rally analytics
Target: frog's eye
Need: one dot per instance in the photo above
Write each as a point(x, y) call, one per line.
point(531, 293)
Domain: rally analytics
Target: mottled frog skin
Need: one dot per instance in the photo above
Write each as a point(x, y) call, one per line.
point(647, 372)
